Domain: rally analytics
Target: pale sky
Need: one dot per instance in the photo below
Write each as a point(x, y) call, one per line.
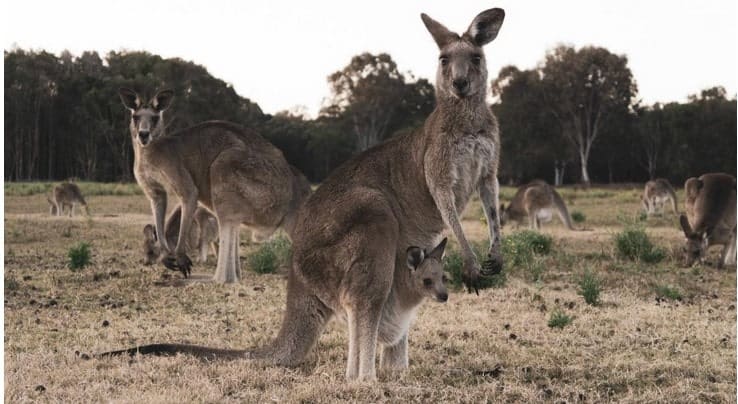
point(279, 53)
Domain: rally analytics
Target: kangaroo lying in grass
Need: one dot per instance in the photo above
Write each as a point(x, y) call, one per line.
point(535, 203)
point(710, 219)
point(423, 278)
point(203, 235)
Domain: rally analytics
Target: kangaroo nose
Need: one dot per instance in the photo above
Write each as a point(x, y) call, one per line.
point(143, 136)
point(461, 84)
point(442, 297)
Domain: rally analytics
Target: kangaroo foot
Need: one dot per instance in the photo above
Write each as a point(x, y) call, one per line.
point(179, 262)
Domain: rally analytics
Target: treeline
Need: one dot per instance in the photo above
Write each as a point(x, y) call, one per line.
point(574, 118)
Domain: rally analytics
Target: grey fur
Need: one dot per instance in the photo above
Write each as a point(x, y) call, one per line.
point(656, 193)
point(710, 202)
point(203, 236)
point(230, 170)
point(66, 196)
point(534, 203)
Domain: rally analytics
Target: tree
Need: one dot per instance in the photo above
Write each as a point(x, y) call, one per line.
point(582, 88)
point(376, 98)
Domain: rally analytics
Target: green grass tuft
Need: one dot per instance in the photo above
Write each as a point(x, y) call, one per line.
point(79, 256)
point(559, 319)
point(270, 256)
point(589, 288)
point(634, 244)
point(578, 217)
point(668, 292)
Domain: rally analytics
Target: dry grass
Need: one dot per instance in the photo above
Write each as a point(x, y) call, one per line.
point(632, 347)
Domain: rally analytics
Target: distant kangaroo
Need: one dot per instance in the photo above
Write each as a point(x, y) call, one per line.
point(66, 195)
point(350, 240)
point(229, 169)
point(710, 220)
point(535, 202)
point(203, 235)
point(423, 277)
point(656, 193)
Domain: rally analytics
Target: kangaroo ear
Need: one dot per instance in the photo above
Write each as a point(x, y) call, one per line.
point(440, 34)
point(692, 187)
point(162, 100)
point(130, 98)
point(485, 26)
point(686, 227)
point(437, 252)
point(415, 255)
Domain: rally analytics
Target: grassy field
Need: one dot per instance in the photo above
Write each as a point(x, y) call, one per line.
point(658, 332)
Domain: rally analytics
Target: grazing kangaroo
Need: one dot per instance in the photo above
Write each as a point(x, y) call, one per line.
point(423, 278)
point(66, 195)
point(710, 220)
point(230, 170)
point(656, 194)
point(351, 236)
point(203, 235)
point(535, 202)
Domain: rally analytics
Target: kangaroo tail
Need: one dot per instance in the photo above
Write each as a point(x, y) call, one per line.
point(173, 349)
point(562, 210)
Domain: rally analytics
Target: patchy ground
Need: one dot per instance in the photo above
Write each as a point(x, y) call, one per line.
point(635, 346)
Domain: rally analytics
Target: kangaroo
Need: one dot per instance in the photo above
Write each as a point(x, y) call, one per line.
point(66, 195)
point(423, 278)
point(229, 169)
point(535, 202)
point(710, 220)
point(203, 234)
point(656, 194)
point(351, 234)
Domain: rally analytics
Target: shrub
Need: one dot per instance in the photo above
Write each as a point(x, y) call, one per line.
point(633, 243)
point(668, 292)
point(519, 248)
point(578, 217)
point(79, 256)
point(558, 319)
point(589, 288)
point(11, 284)
point(454, 265)
point(270, 256)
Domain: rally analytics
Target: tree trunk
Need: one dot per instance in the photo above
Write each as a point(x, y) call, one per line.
point(583, 157)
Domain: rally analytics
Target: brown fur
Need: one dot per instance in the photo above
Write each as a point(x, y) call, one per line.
point(230, 170)
point(203, 235)
point(710, 203)
point(350, 238)
point(66, 195)
point(534, 203)
point(655, 195)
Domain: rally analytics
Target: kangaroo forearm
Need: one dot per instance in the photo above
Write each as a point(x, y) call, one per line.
point(489, 194)
point(185, 224)
point(159, 208)
point(451, 218)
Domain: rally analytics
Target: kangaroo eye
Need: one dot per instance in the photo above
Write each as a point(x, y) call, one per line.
point(476, 60)
point(427, 282)
point(444, 279)
point(154, 120)
point(444, 60)
point(136, 118)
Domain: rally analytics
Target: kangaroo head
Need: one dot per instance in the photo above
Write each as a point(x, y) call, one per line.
point(150, 246)
point(695, 244)
point(462, 68)
point(146, 118)
point(427, 271)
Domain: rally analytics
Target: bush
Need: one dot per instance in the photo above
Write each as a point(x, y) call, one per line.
point(578, 217)
point(454, 265)
point(668, 292)
point(633, 243)
point(79, 256)
point(558, 319)
point(519, 248)
point(589, 288)
point(270, 256)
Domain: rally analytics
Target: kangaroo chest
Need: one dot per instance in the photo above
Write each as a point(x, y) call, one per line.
point(472, 160)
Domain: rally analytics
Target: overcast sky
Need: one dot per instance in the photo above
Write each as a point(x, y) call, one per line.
point(279, 53)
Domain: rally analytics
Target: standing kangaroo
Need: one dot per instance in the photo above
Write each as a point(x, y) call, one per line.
point(230, 170)
point(656, 194)
point(66, 195)
point(350, 239)
point(203, 235)
point(535, 202)
point(710, 220)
